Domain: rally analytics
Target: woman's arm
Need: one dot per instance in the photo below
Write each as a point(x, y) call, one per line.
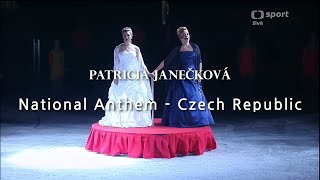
point(115, 63)
point(200, 61)
point(161, 65)
point(115, 59)
point(140, 59)
point(200, 70)
point(167, 60)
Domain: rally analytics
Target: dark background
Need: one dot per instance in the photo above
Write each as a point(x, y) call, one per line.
point(218, 28)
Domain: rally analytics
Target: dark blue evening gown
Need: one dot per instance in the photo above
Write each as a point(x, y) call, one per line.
point(190, 89)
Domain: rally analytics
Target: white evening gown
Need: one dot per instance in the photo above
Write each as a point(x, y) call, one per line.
point(132, 90)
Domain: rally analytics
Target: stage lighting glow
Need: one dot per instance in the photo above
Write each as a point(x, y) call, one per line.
point(66, 158)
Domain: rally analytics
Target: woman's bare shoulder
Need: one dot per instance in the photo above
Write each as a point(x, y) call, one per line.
point(119, 46)
point(135, 46)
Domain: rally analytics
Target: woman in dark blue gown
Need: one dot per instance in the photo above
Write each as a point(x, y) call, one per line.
point(185, 57)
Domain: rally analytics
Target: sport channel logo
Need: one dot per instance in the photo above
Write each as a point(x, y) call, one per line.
point(258, 15)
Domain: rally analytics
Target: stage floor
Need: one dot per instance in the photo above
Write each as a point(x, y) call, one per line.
point(247, 148)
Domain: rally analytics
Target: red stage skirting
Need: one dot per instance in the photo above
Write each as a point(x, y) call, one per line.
point(150, 142)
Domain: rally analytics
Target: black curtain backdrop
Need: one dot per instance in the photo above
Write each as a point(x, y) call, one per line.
point(89, 32)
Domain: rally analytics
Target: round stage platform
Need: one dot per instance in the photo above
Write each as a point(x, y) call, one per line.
point(150, 142)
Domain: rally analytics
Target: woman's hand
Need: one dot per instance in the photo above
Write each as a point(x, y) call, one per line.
point(151, 74)
point(115, 81)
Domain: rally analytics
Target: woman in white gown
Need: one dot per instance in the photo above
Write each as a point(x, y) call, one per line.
point(128, 57)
